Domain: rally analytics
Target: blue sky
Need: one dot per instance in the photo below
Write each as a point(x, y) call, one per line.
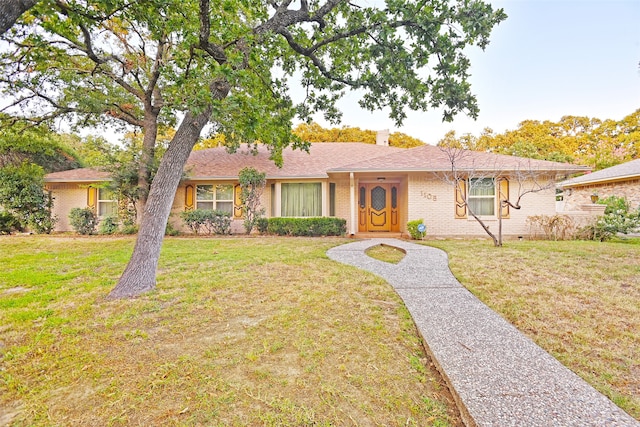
point(547, 60)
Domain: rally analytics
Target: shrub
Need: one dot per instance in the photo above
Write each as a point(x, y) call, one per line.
point(314, 226)
point(553, 227)
point(109, 225)
point(129, 225)
point(22, 194)
point(9, 223)
point(83, 220)
point(252, 185)
point(207, 221)
point(616, 219)
point(412, 228)
point(170, 230)
point(262, 224)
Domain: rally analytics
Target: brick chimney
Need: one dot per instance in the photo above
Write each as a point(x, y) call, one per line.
point(382, 137)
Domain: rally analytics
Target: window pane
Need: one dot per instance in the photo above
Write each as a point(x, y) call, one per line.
point(105, 194)
point(204, 205)
point(204, 192)
point(301, 199)
point(107, 208)
point(224, 192)
point(482, 206)
point(225, 206)
point(482, 187)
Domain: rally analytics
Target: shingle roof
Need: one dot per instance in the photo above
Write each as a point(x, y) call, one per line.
point(630, 170)
point(217, 163)
point(432, 158)
point(78, 175)
point(324, 158)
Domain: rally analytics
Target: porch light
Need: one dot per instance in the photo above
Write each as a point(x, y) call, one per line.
point(381, 178)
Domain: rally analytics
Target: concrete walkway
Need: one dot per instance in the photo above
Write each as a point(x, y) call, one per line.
point(498, 376)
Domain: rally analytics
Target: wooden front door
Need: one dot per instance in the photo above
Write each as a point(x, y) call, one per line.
point(378, 207)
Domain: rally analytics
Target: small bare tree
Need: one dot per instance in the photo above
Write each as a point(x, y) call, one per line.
point(252, 185)
point(474, 170)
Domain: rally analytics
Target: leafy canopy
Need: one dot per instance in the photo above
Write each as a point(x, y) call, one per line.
point(102, 61)
point(581, 140)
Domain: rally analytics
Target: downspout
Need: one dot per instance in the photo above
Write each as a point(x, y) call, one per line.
point(352, 204)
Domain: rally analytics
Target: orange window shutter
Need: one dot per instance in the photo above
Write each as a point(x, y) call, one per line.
point(92, 197)
point(188, 198)
point(237, 201)
point(504, 195)
point(461, 205)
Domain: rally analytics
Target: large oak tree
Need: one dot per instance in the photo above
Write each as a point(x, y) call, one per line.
point(233, 61)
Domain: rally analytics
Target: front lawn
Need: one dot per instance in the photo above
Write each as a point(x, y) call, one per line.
point(241, 331)
point(580, 301)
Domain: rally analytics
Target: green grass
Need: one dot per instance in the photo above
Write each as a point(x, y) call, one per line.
point(578, 300)
point(240, 331)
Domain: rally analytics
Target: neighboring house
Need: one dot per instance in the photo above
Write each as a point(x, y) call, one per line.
point(375, 187)
point(622, 181)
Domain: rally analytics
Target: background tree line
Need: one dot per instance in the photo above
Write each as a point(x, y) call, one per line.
point(580, 140)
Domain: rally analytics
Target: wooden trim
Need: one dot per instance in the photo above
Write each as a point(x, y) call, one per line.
point(461, 204)
point(92, 197)
point(237, 201)
point(504, 195)
point(189, 193)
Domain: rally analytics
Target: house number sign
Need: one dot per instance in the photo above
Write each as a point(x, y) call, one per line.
point(428, 196)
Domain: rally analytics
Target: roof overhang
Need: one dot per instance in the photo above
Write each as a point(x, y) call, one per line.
point(77, 180)
point(600, 181)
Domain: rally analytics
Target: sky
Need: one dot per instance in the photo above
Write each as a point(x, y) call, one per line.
point(548, 59)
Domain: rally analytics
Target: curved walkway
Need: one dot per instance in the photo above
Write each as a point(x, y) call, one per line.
point(498, 376)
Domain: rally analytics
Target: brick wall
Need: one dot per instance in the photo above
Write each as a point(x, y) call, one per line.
point(65, 198)
point(582, 195)
point(433, 200)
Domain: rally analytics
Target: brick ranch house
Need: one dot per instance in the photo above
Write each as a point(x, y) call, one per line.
point(375, 187)
point(621, 180)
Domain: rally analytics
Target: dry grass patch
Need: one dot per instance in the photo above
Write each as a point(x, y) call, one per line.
point(241, 331)
point(386, 253)
point(580, 301)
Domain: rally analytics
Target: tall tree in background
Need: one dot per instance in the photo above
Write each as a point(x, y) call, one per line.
point(574, 139)
point(315, 133)
point(232, 63)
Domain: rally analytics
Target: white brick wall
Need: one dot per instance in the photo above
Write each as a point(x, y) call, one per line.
point(433, 200)
point(422, 196)
point(65, 198)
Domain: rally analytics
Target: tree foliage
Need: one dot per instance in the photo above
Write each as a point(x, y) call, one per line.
point(229, 64)
point(37, 145)
point(580, 140)
point(26, 154)
point(22, 194)
point(315, 133)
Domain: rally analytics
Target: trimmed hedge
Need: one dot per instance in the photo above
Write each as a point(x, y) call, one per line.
point(314, 226)
point(207, 221)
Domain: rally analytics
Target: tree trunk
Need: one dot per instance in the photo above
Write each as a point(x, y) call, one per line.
point(485, 227)
point(146, 159)
point(140, 274)
point(11, 10)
